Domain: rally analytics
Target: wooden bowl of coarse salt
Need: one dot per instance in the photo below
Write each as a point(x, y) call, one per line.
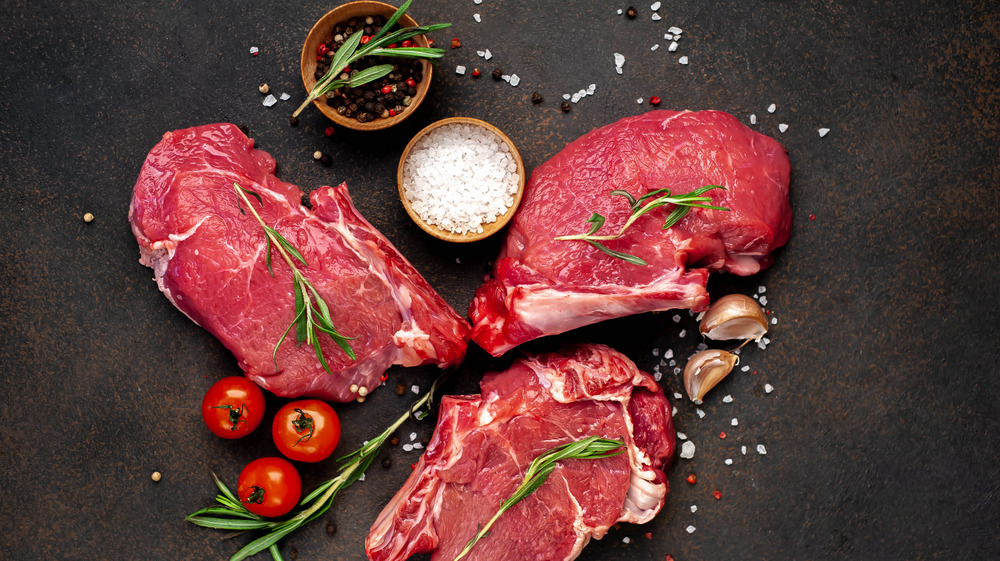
point(460, 179)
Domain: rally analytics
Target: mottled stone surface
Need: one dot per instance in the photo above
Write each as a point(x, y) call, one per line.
point(881, 432)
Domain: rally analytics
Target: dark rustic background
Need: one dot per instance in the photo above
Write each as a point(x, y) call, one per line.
point(882, 432)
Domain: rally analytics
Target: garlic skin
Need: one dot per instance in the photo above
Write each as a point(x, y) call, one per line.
point(706, 369)
point(734, 316)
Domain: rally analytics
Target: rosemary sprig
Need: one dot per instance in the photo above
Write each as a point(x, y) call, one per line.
point(233, 516)
point(654, 199)
point(591, 448)
point(352, 50)
point(312, 315)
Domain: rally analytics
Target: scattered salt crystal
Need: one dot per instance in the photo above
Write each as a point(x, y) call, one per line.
point(700, 315)
point(774, 321)
point(756, 296)
point(669, 353)
point(415, 389)
point(701, 414)
point(619, 62)
point(420, 415)
point(763, 300)
point(254, 51)
point(657, 375)
point(657, 17)
point(676, 318)
point(284, 97)
point(515, 80)
point(672, 363)
point(768, 388)
point(413, 436)
point(694, 508)
point(682, 333)
point(729, 461)
point(823, 132)
point(673, 411)
point(270, 100)
point(477, 18)
point(687, 450)
point(678, 395)
point(675, 30)
point(362, 477)
point(566, 97)
point(668, 37)
point(677, 370)
point(626, 539)
point(407, 448)
point(638, 100)
point(591, 89)
point(682, 60)
point(727, 399)
point(782, 127)
point(673, 46)
point(654, 6)
point(702, 346)
point(690, 529)
point(682, 436)
point(656, 351)
point(761, 449)
point(619, 10)
point(488, 55)
point(762, 289)
point(417, 446)
point(505, 78)
point(477, 2)
point(458, 260)
point(753, 119)
point(575, 98)
point(734, 422)
point(654, 47)
point(743, 450)
point(771, 108)
point(737, 352)
point(460, 69)
point(481, 53)
point(745, 368)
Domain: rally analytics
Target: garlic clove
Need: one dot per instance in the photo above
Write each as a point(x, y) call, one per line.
point(706, 369)
point(734, 316)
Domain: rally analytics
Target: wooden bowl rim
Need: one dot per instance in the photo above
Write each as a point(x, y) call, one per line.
point(488, 229)
point(323, 26)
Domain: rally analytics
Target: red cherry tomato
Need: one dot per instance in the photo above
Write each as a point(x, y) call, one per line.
point(269, 486)
point(306, 430)
point(233, 407)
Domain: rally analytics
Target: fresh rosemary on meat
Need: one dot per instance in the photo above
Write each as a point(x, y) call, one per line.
point(591, 448)
point(312, 315)
point(638, 207)
point(234, 517)
point(377, 45)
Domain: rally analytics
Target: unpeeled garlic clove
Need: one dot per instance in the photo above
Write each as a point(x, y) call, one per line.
point(706, 369)
point(734, 316)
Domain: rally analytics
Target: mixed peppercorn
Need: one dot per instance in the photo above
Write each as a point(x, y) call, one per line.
point(379, 99)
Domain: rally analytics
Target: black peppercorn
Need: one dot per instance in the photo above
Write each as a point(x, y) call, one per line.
point(497, 74)
point(394, 441)
point(293, 121)
point(331, 528)
point(387, 463)
point(631, 13)
point(565, 107)
point(326, 160)
point(536, 98)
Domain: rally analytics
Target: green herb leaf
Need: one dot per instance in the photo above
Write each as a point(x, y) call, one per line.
point(369, 74)
point(597, 220)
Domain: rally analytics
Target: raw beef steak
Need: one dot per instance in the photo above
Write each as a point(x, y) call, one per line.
point(483, 444)
point(541, 286)
point(209, 260)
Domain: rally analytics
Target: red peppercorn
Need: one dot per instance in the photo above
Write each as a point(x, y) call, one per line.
point(455, 43)
point(722, 434)
point(392, 46)
point(392, 112)
point(717, 494)
point(476, 72)
point(812, 217)
point(655, 100)
point(407, 44)
point(692, 479)
point(322, 49)
point(346, 70)
point(328, 131)
point(669, 558)
point(387, 89)
point(648, 535)
point(413, 466)
point(411, 82)
point(319, 58)
point(365, 39)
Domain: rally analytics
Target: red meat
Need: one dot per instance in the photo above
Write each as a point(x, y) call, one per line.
point(541, 286)
point(209, 260)
point(483, 444)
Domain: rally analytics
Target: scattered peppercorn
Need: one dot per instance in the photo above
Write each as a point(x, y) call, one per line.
point(565, 106)
point(331, 528)
point(692, 479)
point(328, 131)
point(654, 100)
point(400, 389)
point(812, 217)
point(536, 98)
point(425, 441)
point(317, 155)
point(717, 494)
point(156, 476)
point(476, 73)
point(648, 535)
point(293, 121)
point(631, 12)
point(406, 44)
point(394, 441)
point(387, 463)
point(722, 434)
point(497, 74)
point(88, 218)
point(326, 161)
point(455, 43)
point(264, 88)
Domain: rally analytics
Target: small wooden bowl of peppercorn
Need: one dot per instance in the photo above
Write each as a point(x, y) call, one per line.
point(407, 85)
point(461, 179)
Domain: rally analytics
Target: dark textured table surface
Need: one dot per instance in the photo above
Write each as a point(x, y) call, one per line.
point(883, 429)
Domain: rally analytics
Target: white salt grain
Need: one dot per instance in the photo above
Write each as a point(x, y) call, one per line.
point(761, 289)
point(673, 411)
point(654, 47)
point(668, 37)
point(734, 422)
point(669, 353)
point(419, 415)
point(729, 461)
point(761, 450)
point(638, 100)
point(413, 436)
point(771, 108)
point(682, 436)
point(678, 395)
point(687, 450)
point(417, 446)
point(477, 2)
point(743, 450)
point(727, 399)
point(745, 368)
point(673, 46)
point(654, 6)
point(682, 333)
point(768, 388)
point(701, 414)
point(782, 127)
point(619, 10)
point(481, 53)
point(774, 321)
point(460, 69)
point(459, 177)
point(626, 539)
point(566, 97)
point(676, 318)
point(505, 78)
point(515, 80)
point(823, 132)
point(415, 389)
point(477, 18)
point(488, 55)
point(284, 97)
point(619, 62)
point(407, 448)
point(753, 119)
point(254, 50)
point(682, 60)
point(702, 347)
point(763, 300)
point(677, 370)
point(657, 17)
point(694, 508)
point(270, 100)
point(690, 529)
point(361, 477)
point(675, 30)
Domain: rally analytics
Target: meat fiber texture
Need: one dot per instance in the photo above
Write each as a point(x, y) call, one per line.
point(483, 444)
point(541, 286)
point(209, 260)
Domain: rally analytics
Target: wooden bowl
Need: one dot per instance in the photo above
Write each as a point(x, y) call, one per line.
point(322, 31)
point(489, 228)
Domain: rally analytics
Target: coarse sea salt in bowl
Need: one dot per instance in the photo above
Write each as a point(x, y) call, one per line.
point(460, 179)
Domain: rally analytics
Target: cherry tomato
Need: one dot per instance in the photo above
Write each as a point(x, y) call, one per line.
point(233, 407)
point(269, 486)
point(306, 430)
